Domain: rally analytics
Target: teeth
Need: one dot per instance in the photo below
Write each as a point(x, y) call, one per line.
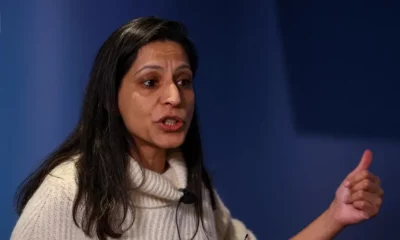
point(169, 122)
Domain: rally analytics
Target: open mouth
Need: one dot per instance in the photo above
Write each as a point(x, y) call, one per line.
point(171, 124)
point(170, 121)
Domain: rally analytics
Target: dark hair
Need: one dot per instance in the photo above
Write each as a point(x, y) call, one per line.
point(102, 140)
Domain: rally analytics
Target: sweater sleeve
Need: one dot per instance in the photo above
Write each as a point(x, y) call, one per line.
point(48, 214)
point(229, 228)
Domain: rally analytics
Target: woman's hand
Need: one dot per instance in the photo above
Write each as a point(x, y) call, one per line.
point(360, 195)
point(358, 198)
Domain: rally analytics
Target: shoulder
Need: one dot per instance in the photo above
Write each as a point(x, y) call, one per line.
point(49, 210)
point(227, 226)
point(64, 176)
point(65, 171)
point(58, 186)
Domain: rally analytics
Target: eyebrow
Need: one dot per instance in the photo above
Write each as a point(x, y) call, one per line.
point(157, 67)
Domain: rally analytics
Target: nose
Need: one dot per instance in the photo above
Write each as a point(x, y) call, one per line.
point(172, 95)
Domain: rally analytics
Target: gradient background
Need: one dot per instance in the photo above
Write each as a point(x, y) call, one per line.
point(290, 93)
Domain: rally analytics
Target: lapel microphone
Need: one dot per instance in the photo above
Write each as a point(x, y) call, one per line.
point(188, 197)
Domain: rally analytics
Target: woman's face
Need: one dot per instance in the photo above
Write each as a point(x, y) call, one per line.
point(156, 97)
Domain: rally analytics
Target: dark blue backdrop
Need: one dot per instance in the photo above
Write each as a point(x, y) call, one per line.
point(289, 94)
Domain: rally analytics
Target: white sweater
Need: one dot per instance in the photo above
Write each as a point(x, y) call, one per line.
point(48, 214)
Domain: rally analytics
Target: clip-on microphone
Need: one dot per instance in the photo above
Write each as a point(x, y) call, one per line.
point(188, 197)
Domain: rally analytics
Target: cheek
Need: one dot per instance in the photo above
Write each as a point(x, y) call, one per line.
point(132, 109)
point(190, 100)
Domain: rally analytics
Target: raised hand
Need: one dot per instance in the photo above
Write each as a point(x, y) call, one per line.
point(360, 195)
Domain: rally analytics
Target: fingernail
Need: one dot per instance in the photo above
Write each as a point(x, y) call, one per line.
point(346, 183)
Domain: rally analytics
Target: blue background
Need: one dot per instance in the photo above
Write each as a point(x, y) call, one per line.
point(290, 93)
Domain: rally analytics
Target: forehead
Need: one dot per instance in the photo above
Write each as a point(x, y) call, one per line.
point(161, 50)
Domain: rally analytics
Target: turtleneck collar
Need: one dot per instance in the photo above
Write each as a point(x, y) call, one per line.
point(152, 189)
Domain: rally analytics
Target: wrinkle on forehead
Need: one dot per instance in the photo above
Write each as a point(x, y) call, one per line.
point(161, 51)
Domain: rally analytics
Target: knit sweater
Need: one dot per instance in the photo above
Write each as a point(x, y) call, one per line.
point(48, 214)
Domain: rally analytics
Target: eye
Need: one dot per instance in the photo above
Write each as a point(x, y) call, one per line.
point(185, 82)
point(151, 83)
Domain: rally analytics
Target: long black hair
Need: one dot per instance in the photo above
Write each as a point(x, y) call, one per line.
point(102, 141)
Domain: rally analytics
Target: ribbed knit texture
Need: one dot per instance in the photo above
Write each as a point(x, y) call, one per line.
point(48, 214)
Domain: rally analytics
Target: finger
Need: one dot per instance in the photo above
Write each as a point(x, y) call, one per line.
point(367, 185)
point(367, 209)
point(363, 175)
point(371, 198)
point(364, 163)
point(381, 193)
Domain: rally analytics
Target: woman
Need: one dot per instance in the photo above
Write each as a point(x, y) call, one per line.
point(133, 166)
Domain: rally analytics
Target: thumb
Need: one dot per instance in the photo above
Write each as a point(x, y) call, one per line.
point(364, 164)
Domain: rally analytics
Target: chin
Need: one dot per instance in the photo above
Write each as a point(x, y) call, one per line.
point(168, 142)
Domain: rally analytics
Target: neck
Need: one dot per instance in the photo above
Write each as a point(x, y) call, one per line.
point(151, 158)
